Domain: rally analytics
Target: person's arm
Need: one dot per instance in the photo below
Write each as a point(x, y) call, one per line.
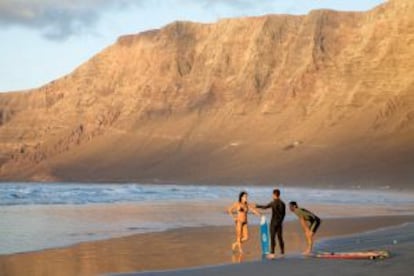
point(264, 206)
point(283, 211)
point(304, 225)
point(231, 210)
point(254, 210)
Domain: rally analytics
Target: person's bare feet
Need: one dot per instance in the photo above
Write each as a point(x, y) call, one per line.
point(306, 253)
point(271, 256)
point(233, 247)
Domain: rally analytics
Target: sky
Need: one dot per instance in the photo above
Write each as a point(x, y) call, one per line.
point(42, 40)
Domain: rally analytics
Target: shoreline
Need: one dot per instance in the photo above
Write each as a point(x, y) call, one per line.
point(362, 187)
point(177, 249)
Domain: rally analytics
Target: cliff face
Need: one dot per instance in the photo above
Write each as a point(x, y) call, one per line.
point(321, 99)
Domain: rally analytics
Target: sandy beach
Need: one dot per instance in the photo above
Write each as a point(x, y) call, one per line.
point(183, 249)
point(398, 240)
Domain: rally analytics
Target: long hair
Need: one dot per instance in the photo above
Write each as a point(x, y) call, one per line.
point(242, 193)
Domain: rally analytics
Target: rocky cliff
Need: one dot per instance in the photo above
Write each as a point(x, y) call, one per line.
point(321, 99)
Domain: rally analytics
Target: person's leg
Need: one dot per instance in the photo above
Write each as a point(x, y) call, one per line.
point(309, 240)
point(238, 236)
point(315, 225)
point(279, 231)
point(272, 238)
point(244, 236)
point(245, 232)
point(308, 236)
point(313, 228)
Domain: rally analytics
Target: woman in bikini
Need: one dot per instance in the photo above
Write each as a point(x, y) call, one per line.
point(241, 208)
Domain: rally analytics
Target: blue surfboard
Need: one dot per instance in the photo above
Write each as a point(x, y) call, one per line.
point(264, 236)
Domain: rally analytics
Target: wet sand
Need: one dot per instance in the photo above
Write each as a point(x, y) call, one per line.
point(175, 249)
point(398, 240)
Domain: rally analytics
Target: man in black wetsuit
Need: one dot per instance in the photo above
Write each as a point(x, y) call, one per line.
point(276, 223)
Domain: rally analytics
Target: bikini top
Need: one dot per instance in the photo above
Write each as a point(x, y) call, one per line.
point(243, 209)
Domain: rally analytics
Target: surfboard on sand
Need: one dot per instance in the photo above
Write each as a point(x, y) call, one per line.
point(370, 254)
point(264, 236)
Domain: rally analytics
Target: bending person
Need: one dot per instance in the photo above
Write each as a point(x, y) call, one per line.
point(310, 224)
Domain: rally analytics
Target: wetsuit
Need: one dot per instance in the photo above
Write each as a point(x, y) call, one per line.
point(276, 223)
point(309, 217)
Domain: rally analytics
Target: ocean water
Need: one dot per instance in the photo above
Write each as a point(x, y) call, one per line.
point(36, 216)
point(82, 194)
